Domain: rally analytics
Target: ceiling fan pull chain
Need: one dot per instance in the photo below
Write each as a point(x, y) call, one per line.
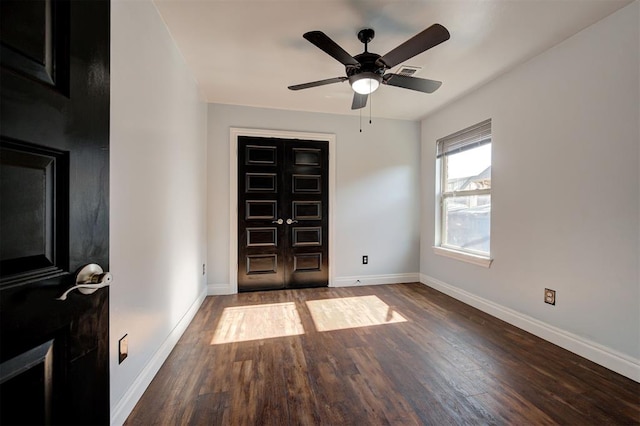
point(360, 120)
point(370, 102)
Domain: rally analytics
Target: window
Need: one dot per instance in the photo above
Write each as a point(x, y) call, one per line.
point(464, 195)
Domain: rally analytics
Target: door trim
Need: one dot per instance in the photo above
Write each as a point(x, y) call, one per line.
point(234, 133)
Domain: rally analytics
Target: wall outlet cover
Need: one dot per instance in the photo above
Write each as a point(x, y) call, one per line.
point(549, 296)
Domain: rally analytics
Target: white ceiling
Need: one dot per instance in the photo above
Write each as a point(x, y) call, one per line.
point(247, 52)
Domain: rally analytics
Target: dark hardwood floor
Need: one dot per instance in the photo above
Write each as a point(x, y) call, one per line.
point(396, 354)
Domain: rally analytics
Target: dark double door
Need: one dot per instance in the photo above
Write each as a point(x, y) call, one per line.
point(283, 205)
point(54, 210)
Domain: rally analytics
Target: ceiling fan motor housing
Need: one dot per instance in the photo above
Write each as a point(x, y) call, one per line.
point(367, 68)
point(367, 63)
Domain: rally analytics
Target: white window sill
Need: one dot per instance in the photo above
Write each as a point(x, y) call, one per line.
point(485, 262)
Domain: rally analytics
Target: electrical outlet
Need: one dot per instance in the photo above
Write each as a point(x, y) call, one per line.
point(204, 269)
point(549, 296)
point(123, 348)
point(365, 260)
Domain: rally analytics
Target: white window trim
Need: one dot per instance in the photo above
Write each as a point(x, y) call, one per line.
point(474, 259)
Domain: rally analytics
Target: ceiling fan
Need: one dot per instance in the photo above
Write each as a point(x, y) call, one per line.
point(366, 71)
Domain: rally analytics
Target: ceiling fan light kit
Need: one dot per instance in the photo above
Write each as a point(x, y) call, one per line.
point(367, 71)
point(365, 83)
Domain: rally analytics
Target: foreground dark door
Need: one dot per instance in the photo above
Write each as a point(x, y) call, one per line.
point(54, 174)
point(283, 206)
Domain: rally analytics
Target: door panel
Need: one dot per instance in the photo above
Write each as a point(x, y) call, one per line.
point(35, 40)
point(262, 183)
point(286, 180)
point(261, 264)
point(261, 209)
point(307, 201)
point(54, 174)
point(307, 236)
point(306, 210)
point(34, 230)
point(306, 184)
point(307, 262)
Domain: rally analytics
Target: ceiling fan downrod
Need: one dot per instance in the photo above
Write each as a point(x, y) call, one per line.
point(365, 36)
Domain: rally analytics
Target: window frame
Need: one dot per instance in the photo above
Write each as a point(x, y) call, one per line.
point(468, 255)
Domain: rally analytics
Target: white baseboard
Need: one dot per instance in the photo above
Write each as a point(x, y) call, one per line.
point(123, 408)
point(607, 357)
point(218, 289)
point(376, 279)
point(222, 289)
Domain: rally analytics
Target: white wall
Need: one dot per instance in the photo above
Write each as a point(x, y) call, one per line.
point(158, 197)
point(565, 178)
point(377, 200)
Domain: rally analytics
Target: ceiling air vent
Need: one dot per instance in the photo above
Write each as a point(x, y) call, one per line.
point(408, 70)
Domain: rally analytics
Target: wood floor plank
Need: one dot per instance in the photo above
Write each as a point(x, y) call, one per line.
point(400, 354)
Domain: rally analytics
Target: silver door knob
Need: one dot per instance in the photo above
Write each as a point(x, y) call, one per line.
point(279, 221)
point(88, 279)
point(290, 221)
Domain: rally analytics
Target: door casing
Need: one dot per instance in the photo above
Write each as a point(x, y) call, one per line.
point(235, 132)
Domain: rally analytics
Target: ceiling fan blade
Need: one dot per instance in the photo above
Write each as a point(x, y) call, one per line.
point(432, 36)
point(413, 83)
point(359, 101)
point(323, 42)
point(318, 83)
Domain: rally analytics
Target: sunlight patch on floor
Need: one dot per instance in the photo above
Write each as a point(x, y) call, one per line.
point(351, 312)
point(253, 322)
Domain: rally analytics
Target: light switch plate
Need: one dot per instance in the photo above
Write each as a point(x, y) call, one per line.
point(123, 348)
